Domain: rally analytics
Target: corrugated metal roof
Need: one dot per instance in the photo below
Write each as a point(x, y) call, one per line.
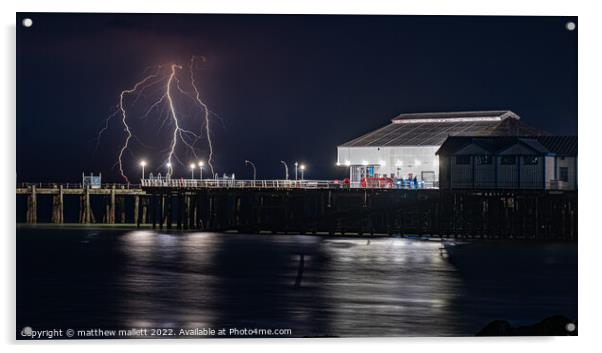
point(560, 145)
point(433, 132)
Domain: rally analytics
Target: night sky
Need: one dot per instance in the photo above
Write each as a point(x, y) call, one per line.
point(286, 87)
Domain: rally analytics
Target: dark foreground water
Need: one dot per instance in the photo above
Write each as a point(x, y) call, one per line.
point(118, 279)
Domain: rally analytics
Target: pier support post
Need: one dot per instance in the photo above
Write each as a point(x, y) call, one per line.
point(121, 205)
point(144, 201)
point(180, 209)
point(161, 210)
point(169, 212)
point(137, 210)
point(153, 200)
point(57, 207)
point(32, 206)
point(85, 212)
point(111, 215)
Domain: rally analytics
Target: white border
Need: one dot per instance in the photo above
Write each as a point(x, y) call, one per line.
point(590, 244)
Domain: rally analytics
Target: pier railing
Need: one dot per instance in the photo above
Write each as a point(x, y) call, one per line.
point(229, 183)
point(78, 186)
point(275, 184)
point(238, 184)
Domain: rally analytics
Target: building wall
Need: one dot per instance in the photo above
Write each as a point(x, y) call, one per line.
point(445, 171)
point(478, 174)
point(485, 173)
point(461, 174)
point(532, 176)
point(551, 170)
point(570, 163)
point(398, 161)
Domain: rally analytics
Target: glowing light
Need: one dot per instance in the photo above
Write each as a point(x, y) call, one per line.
point(201, 164)
point(364, 162)
point(143, 164)
point(302, 167)
point(348, 163)
point(338, 164)
point(168, 165)
point(192, 166)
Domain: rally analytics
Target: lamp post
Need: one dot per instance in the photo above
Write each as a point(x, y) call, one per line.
point(296, 169)
point(201, 164)
point(143, 164)
point(285, 169)
point(247, 162)
point(302, 167)
point(169, 170)
point(192, 166)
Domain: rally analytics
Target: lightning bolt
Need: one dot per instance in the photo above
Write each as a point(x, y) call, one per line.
point(167, 110)
point(125, 124)
point(205, 115)
point(172, 109)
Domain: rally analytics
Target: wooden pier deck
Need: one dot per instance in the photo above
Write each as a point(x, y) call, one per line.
point(495, 214)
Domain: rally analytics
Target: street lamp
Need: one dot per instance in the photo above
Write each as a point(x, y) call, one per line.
point(192, 166)
point(169, 170)
point(285, 169)
point(247, 162)
point(302, 167)
point(201, 164)
point(143, 164)
point(296, 168)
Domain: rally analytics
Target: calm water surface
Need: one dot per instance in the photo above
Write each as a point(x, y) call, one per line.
point(119, 279)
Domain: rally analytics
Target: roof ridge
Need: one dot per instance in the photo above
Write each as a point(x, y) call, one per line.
point(475, 115)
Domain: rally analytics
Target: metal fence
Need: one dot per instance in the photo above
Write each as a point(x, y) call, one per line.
point(278, 184)
point(77, 186)
point(233, 183)
point(240, 184)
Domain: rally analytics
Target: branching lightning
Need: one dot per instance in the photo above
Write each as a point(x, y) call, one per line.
point(125, 124)
point(164, 110)
point(205, 114)
point(176, 129)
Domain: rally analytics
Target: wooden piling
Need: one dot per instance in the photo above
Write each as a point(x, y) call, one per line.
point(32, 206)
point(111, 215)
point(137, 211)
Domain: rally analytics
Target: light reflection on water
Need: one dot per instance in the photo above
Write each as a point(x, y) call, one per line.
point(349, 286)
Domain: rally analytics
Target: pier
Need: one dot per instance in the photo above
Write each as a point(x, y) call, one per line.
point(314, 207)
point(112, 195)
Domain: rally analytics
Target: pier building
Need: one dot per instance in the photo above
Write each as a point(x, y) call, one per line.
point(406, 148)
point(544, 162)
